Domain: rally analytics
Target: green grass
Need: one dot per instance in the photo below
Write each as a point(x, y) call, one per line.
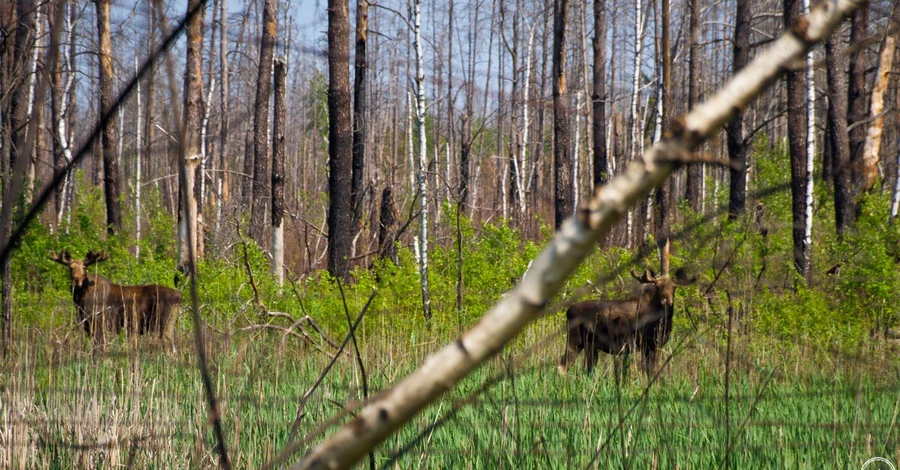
point(797, 408)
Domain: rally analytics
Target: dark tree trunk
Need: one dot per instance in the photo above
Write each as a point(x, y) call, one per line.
point(840, 141)
point(387, 227)
point(18, 61)
point(261, 194)
point(278, 171)
point(737, 150)
point(359, 111)
point(562, 159)
point(694, 172)
point(340, 140)
point(797, 127)
point(601, 168)
point(108, 138)
point(857, 105)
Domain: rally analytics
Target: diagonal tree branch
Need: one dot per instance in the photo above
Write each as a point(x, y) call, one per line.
point(574, 241)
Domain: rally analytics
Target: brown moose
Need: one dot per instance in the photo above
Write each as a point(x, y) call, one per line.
point(105, 307)
point(620, 327)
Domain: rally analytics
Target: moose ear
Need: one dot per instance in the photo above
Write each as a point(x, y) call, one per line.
point(682, 279)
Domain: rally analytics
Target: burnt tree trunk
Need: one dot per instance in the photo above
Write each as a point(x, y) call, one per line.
point(601, 166)
point(737, 149)
point(856, 102)
point(562, 158)
point(797, 128)
point(840, 140)
point(359, 111)
point(278, 172)
point(108, 136)
point(259, 204)
point(340, 139)
point(387, 227)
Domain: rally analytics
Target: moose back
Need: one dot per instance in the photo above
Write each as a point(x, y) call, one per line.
point(105, 307)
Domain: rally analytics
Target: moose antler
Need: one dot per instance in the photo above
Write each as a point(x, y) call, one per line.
point(648, 277)
point(63, 258)
point(94, 257)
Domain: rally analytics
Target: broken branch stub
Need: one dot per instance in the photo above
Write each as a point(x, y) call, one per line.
point(574, 241)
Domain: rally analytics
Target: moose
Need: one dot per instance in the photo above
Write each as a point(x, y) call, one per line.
point(104, 306)
point(620, 327)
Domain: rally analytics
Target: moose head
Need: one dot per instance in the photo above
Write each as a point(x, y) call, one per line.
point(78, 268)
point(665, 286)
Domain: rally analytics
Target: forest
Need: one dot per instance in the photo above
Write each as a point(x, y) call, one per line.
point(396, 233)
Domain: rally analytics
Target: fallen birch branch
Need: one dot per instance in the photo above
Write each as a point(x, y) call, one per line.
point(574, 241)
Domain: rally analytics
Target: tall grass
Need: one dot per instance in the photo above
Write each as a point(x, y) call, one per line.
point(62, 408)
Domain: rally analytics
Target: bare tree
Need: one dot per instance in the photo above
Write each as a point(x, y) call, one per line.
point(599, 97)
point(188, 228)
point(108, 138)
point(694, 172)
point(872, 149)
point(840, 140)
point(259, 205)
point(359, 110)
point(562, 158)
point(737, 146)
point(422, 183)
point(797, 143)
point(340, 139)
point(278, 171)
point(856, 102)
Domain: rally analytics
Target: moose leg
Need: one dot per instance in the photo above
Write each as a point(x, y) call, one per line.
point(590, 358)
point(650, 358)
point(167, 329)
point(574, 346)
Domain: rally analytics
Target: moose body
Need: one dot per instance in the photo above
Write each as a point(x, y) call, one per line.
point(620, 327)
point(105, 307)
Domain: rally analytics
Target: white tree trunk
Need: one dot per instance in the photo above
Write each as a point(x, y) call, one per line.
point(62, 130)
point(423, 161)
point(526, 123)
point(576, 188)
point(810, 142)
point(137, 173)
point(636, 121)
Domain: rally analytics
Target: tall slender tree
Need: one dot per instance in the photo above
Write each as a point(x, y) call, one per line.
point(261, 195)
point(797, 129)
point(278, 171)
point(562, 158)
point(340, 139)
point(872, 149)
point(840, 140)
point(694, 172)
point(188, 228)
point(737, 148)
point(598, 98)
point(359, 110)
point(856, 102)
point(108, 136)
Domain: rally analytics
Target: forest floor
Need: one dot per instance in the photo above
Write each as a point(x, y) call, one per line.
point(775, 405)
